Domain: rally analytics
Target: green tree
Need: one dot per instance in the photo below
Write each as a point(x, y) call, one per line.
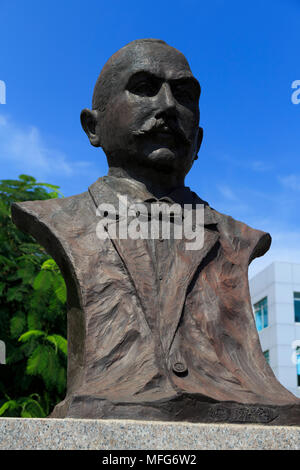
point(32, 312)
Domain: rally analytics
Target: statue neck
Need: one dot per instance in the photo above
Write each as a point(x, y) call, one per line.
point(157, 183)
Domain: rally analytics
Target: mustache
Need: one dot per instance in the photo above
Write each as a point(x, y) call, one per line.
point(154, 125)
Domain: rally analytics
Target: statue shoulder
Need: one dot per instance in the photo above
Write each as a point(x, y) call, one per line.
point(53, 217)
point(243, 240)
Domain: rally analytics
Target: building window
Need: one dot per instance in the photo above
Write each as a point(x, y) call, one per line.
point(298, 365)
point(261, 314)
point(267, 356)
point(297, 306)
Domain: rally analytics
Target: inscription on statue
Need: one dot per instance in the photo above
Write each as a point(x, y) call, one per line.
point(242, 414)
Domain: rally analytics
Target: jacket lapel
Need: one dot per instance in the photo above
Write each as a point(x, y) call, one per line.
point(139, 263)
point(135, 255)
point(178, 276)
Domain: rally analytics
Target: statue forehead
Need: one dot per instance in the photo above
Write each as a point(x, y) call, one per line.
point(159, 59)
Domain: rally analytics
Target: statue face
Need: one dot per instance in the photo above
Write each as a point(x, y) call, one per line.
point(152, 115)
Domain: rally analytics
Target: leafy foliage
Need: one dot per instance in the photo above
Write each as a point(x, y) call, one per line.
point(32, 312)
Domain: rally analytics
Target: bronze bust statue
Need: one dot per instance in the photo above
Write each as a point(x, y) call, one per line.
point(155, 331)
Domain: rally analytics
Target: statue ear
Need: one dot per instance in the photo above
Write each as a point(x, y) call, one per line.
point(199, 141)
point(89, 122)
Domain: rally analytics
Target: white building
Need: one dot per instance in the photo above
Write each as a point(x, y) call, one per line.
point(275, 295)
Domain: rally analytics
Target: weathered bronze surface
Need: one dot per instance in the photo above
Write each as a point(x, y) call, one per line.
point(155, 331)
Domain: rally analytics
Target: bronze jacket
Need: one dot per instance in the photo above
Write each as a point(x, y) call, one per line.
point(143, 348)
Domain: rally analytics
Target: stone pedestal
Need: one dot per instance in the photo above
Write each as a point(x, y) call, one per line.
point(61, 434)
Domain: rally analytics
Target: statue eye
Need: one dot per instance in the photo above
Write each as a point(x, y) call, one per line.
point(144, 87)
point(185, 92)
point(179, 93)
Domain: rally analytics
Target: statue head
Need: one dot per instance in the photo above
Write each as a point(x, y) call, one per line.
point(145, 109)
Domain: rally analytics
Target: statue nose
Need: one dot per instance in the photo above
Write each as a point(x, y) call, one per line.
point(166, 98)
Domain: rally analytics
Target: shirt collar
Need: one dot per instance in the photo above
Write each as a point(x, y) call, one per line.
point(137, 192)
point(108, 189)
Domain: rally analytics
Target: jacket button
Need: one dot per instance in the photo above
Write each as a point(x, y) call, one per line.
point(179, 368)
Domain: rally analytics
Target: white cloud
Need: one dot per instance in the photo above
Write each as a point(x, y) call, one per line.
point(3, 121)
point(227, 192)
point(258, 166)
point(291, 182)
point(23, 149)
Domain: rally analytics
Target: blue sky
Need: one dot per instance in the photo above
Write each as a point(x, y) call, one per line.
point(245, 55)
